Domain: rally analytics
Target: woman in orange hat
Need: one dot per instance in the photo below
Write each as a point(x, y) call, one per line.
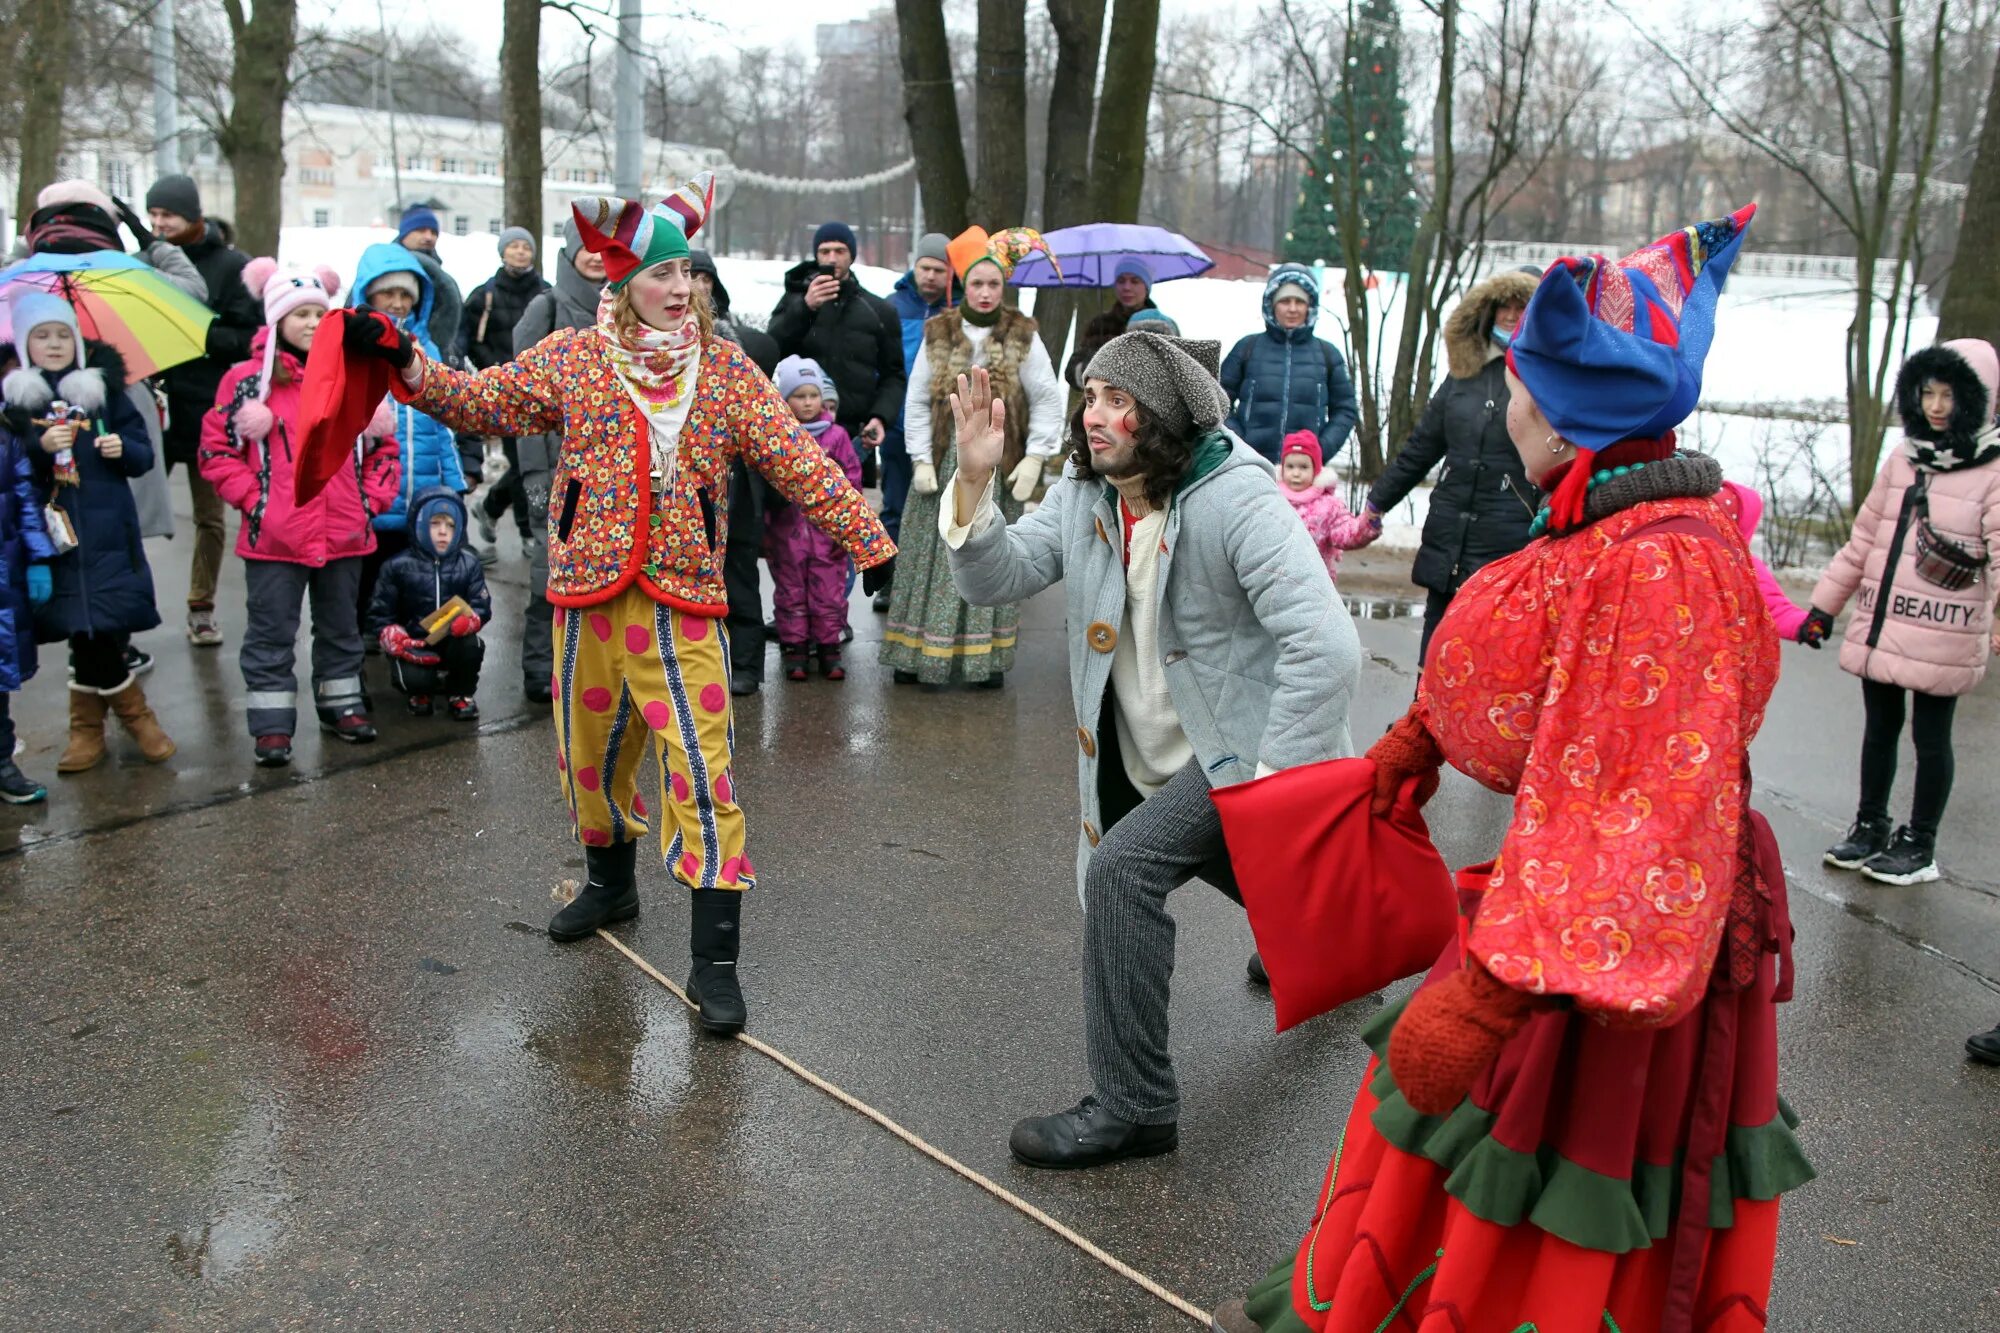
point(934, 637)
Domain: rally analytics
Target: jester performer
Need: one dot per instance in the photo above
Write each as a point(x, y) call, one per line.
point(1573, 1125)
point(652, 408)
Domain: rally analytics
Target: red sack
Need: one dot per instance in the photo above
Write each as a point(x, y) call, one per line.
point(336, 403)
point(1342, 903)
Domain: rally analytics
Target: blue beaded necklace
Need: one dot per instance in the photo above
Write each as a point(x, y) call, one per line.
point(1541, 523)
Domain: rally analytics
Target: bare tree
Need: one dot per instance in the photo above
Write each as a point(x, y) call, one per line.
point(930, 106)
point(1972, 297)
point(253, 136)
point(44, 68)
point(1079, 30)
point(521, 113)
point(1001, 112)
point(1118, 151)
point(1844, 101)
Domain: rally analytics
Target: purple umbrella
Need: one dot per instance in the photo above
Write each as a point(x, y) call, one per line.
point(1090, 255)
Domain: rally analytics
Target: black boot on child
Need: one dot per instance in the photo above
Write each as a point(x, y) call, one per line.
point(610, 894)
point(713, 940)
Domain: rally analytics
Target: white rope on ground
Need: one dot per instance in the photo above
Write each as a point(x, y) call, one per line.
point(795, 185)
point(937, 1155)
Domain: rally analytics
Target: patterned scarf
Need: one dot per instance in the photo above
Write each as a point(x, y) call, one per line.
point(1953, 450)
point(658, 369)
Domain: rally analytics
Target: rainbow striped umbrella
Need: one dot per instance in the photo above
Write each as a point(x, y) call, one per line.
point(118, 300)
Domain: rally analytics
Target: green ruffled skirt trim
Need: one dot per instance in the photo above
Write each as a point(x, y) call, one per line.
point(1586, 1208)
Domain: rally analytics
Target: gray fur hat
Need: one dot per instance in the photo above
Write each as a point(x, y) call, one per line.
point(1175, 379)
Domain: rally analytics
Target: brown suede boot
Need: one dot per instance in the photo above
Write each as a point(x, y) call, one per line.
point(86, 732)
point(132, 709)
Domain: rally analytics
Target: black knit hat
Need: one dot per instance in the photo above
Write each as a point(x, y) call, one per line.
point(177, 195)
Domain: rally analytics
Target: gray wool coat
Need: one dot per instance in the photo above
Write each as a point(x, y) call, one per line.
point(1259, 652)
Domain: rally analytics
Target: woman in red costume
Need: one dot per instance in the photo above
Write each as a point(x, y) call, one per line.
point(1573, 1126)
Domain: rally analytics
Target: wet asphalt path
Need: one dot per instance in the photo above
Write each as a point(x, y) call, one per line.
point(291, 1049)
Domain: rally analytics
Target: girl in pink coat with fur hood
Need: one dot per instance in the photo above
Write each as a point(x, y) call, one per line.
point(249, 444)
point(1316, 500)
point(1921, 560)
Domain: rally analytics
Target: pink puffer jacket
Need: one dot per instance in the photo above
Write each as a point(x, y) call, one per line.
point(1906, 630)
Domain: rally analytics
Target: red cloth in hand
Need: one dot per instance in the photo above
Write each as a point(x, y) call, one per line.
point(1451, 1032)
point(399, 644)
point(336, 402)
point(1342, 901)
point(464, 625)
point(1406, 750)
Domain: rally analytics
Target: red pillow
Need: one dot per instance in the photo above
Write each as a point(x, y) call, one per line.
point(336, 403)
point(1342, 902)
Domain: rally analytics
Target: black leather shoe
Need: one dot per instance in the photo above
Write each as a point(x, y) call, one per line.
point(610, 894)
point(1255, 970)
point(743, 683)
point(906, 677)
point(880, 602)
point(1985, 1047)
point(1086, 1135)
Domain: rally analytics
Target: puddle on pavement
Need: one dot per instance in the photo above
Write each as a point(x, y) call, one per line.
point(250, 1201)
point(1383, 608)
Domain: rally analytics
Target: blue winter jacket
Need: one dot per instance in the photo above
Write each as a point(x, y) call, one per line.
point(104, 586)
point(22, 542)
point(1282, 380)
point(417, 580)
point(914, 311)
point(430, 454)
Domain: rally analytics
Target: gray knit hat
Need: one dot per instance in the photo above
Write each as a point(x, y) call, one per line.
point(1175, 379)
point(933, 245)
point(513, 234)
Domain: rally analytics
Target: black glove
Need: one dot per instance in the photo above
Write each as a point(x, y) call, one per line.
point(878, 578)
point(134, 223)
point(372, 333)
point(1818, 625)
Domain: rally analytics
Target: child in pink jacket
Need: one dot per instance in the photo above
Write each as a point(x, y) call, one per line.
point(249, 442)
point(1332, 525)
point(809, 568)
point(1785, 613)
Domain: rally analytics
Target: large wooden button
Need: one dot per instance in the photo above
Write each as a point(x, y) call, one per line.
point(1089, 833)
point(1089, 745)
point(1101, 534)
point(1101, 636)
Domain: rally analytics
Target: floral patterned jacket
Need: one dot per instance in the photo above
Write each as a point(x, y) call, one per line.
point(1612, 686)
point(606, 528)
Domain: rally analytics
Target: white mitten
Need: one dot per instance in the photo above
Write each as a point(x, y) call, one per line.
point(1027, 474)
point(924, 479)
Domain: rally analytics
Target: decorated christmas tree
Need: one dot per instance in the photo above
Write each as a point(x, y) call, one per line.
point(1366, 155)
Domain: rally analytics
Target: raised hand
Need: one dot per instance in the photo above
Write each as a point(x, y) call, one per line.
point(979, 424)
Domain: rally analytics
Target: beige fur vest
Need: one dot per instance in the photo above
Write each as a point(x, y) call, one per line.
point(949, 353)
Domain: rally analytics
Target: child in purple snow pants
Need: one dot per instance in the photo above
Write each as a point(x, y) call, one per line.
point(809, 568)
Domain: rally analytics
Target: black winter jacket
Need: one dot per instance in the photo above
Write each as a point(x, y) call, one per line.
point(1483, 502)
point(417, 580)
point(857, 338)
point(191, 385)
point(486, 330)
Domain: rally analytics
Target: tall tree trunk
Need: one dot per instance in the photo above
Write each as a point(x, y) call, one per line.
point(1079, 26)
point(1972, 295)
point(1118, 154)
point(1000, 107)
point(521, 115)
point(44, 73)
point(930, 105)
point(253, 137)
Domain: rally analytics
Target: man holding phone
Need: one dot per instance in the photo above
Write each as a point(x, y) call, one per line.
point(856, 337)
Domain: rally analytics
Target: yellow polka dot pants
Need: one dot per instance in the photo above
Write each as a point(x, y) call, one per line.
point(633, 666)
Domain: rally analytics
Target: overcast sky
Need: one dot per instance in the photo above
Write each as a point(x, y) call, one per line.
point(745, 23)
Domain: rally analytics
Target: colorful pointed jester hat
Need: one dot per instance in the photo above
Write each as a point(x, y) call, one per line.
point(1613, 350)
point(631, 236)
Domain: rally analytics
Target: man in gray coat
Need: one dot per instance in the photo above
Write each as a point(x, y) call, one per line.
point(1207, 646)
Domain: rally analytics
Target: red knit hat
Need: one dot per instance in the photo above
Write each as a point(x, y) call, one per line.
point(1305, 444)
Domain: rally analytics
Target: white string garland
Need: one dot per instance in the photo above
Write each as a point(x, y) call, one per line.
point(792, 185)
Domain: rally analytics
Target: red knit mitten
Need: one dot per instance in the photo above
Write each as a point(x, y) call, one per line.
point(1451, 1032)
point(1406, 750)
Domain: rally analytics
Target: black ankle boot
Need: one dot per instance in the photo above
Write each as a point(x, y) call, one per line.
point(713, 939)
point(610, 894)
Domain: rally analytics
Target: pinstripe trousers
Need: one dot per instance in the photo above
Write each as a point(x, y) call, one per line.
point(1128, 935)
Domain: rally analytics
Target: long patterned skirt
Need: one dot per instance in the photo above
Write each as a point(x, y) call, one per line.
point(932, 631)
